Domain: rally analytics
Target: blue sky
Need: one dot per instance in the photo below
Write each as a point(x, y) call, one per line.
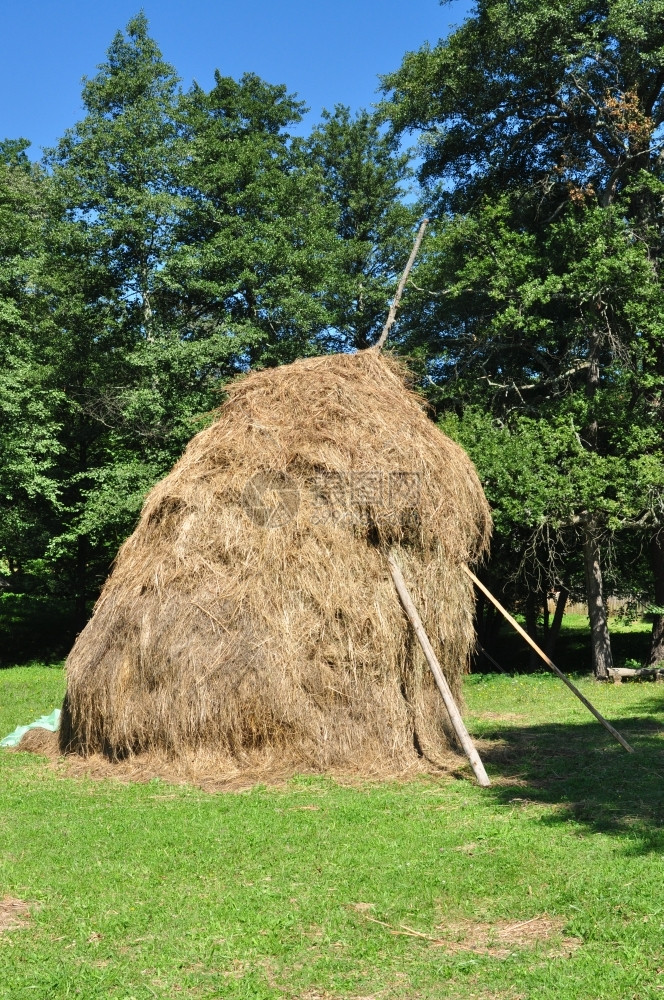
point(326, 52)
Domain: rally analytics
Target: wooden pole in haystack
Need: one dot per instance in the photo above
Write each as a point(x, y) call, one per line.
point(392, 315)
point(547, 659)
point(444, 688)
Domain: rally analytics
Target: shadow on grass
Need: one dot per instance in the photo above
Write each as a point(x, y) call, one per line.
point(589, 776)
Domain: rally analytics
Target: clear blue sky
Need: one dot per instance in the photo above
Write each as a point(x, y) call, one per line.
point(328, 53)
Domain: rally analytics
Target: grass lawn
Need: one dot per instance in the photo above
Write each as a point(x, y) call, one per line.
point(143, 891)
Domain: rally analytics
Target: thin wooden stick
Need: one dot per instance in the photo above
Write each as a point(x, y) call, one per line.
point(443, 686)
point(392, 315)
point(549, 662)
point(482, 651)
point(402, 930)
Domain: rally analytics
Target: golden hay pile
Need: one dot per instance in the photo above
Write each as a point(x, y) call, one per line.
point(251, 619)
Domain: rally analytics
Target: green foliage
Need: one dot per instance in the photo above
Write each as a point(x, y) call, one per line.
point(510, 355)
point(253, 249)
point(172, 240)
point(28, 399)
point(363, 178)
point(108, 234)
point(565, 97)
point(540, 316)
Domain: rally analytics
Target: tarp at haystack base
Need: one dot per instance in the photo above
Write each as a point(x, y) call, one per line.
point(250, 620)
point(50, 723)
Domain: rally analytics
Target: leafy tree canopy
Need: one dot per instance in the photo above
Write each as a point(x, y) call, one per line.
point(560, 94)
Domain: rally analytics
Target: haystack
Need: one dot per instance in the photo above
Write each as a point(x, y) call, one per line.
point(251, 619)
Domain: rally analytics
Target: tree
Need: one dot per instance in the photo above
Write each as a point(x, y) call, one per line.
point(510, 335)
point(28, 427)
point(254, 246)
point(114, 201)
point(541, 123)
point(363, 173)
point(556, 96)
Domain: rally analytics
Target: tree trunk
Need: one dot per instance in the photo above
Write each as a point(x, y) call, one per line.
point(492, 623)
point(146, 304)
point(554, 631)
point(487, 625)
point(531, 610)
point(599, 625)
point(657, 560)
point(532, 616)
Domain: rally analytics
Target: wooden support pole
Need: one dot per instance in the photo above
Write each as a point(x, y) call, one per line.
point(483, 652)
point(441, 681)
point(392, 315)
point(549, 662)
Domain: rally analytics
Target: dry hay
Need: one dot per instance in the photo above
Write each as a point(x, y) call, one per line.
point(201, 767)
point(251, 617)
point(499, 938)
point(502, 937)
point(14, 914)
point(39, 741)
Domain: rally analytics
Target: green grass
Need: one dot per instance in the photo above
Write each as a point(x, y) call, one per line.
point(143, 891)
point(26, 693)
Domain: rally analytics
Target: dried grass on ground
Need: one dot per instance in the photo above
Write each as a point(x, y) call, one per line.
point(499, 938)
point(250, 621)
point(502, 937)
point(201, 768)
point(14, 914)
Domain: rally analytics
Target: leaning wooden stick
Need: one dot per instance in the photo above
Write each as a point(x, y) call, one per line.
point(480, 649)
point(443, 686)
point(392, 315)
point(549, 662)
